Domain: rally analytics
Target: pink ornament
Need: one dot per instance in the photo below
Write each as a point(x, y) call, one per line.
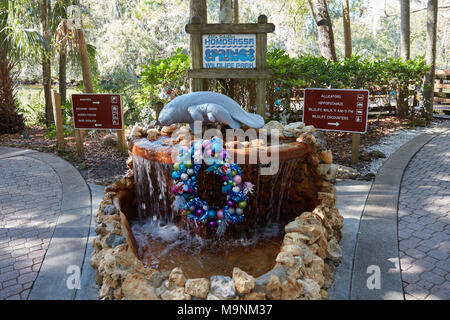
point(237, 179)
point(175, 191)
point(206, 144)
point(220, 214)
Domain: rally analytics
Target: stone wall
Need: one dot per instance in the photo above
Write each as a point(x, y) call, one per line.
point(304, 268)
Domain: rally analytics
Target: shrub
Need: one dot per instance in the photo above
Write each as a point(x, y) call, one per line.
point(164, 79)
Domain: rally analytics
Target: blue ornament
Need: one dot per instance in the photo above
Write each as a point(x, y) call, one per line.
point(176, 175)
point(211, 214)
point(278, 102)
point(278, 89)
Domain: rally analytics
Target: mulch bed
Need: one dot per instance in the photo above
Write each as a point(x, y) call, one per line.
point(99, 164)
point(341, 143)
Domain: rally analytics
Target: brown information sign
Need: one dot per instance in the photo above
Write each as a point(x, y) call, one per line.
point(97, 111)
point(343, 110)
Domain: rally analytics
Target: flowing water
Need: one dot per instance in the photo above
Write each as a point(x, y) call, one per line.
point(164, 242)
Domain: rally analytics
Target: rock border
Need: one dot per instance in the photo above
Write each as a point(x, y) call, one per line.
point(304, 267)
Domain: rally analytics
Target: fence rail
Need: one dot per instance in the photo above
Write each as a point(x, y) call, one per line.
point(442, 91)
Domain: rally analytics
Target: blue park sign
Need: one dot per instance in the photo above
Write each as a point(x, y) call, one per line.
point(229, 51)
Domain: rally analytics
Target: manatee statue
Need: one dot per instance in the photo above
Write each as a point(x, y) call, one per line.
point(207, 106)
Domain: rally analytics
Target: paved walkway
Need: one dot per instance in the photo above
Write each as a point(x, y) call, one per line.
point(396, 243)
point(45, 227)
point(30, 203)
point(424, 222)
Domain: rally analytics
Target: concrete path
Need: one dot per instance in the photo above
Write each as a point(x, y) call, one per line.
point(424, 222)
point(376, 273)
point(30, 204)
point(352, 196)
point(46, 221)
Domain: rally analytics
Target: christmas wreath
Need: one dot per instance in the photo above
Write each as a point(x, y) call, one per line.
point(185, 173)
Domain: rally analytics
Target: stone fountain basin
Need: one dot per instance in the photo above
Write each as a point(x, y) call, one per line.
point(302, 264)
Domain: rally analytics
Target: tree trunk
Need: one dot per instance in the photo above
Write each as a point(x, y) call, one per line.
point(10, 120)
point(236, 11)
point(347, 28)
point(405, 30)
point(62, 73)
point(46, 68)
point(325, 29)
point(428, 87)
point(85, 65)
point(197, 8)
point(226, 11)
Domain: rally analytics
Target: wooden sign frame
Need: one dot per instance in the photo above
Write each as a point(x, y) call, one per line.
point(261, 74)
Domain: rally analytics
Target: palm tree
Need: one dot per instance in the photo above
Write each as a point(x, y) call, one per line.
point(16, 43)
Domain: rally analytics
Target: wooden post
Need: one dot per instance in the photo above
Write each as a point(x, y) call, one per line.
point(57, 113)
point(79, 142)
point(121, 142)
point(261, 64)
point(355, 147)
point(196, 53)
point(236, 11)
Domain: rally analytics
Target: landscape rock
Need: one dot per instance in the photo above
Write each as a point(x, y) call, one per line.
point(222, 286)
point(152, 134)
point(113, 240)
point(175, 294)
point(110, 140)
point(290, 289)
point(135, 287)
point(326, 156)
point(343, 172)
point(110, 210)
point(285, 258)
point(311, 289)
point(261, 282)
point(198, 288)
point(136, 132)
point(334, 251)
point(301, 250)
point(177, 277)
point(273, 288)
point(243, 282)
point(273, 127)
point(306, 138)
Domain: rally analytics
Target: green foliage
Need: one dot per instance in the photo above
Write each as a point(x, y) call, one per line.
point(67, 114)
point(379, 76)
point(164, 79)
point(33, 113)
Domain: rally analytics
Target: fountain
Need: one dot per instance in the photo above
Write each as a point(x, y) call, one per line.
point(284, 246)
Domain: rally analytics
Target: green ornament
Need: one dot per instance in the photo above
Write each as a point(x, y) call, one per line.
point(233, 173)
point(188, 164)
point(242, 204)
point(176, 166)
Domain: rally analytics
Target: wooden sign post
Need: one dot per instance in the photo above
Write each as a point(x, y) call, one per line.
point(231, 51)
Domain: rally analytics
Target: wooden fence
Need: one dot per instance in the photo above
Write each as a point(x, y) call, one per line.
point(442, 91)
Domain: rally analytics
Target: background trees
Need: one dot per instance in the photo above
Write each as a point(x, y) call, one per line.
point(127, 35)
point(17, 42)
